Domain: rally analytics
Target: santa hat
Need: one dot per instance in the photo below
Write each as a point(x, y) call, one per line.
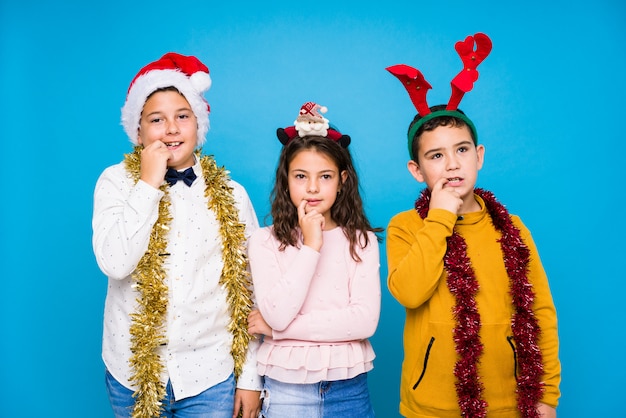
point(185, 73)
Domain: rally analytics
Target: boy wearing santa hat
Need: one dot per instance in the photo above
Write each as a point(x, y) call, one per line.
point(169, 230)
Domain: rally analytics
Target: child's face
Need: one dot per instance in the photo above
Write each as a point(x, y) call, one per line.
point(167, 117)
point(448, 153)
point(315, 178)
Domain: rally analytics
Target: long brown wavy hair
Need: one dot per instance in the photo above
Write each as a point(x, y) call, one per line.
point(347, 210)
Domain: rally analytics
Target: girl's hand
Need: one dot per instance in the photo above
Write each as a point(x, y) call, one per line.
point(312, 224)
point(442, 197)
point(257, 325)
point(154, 159)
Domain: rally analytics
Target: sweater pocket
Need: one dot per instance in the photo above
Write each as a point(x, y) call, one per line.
point(425, 365)
point(432, 388)
point(511, 342)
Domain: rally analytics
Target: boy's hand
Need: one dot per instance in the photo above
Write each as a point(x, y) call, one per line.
point(154, 159)
point(546, 411)
point(311, 223)
point(442, 197)
point(247, 403)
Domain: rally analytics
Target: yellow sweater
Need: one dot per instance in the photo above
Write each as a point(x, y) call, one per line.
point(417, 279)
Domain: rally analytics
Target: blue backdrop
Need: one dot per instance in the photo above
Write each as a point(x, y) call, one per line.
point(546, 106)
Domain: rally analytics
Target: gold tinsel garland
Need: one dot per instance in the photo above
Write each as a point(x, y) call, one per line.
point(148, 322)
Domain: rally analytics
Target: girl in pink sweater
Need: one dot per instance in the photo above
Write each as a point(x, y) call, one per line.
point(316, 279)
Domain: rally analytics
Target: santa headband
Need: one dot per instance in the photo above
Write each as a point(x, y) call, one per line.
point(185, 73)
point(310, 122)
point(417, 86)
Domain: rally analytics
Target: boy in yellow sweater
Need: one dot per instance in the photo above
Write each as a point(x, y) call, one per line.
point(480, 336)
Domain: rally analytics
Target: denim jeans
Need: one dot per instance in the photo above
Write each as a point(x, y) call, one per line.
point(215, 402)
point(342, 398)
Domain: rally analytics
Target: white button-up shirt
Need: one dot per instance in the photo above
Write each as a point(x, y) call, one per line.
point(197, 354)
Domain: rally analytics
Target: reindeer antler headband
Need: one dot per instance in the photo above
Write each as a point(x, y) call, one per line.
point(418, 87)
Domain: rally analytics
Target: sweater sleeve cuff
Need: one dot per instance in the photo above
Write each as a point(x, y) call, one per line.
point(443, 217)
point(249, 378)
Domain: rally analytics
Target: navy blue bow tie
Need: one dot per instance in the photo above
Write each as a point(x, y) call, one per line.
point(188, 176)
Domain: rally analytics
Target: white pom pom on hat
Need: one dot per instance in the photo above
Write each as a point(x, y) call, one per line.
point(186, 73)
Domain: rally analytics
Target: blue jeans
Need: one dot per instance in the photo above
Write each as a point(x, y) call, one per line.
point(342, 398)
point(215, 402)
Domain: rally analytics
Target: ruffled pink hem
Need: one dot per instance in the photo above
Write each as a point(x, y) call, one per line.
point(315, 363)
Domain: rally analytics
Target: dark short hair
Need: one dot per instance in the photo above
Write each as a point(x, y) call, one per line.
point(439, 116)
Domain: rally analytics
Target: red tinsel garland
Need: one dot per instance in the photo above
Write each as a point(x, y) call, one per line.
point(463, 285)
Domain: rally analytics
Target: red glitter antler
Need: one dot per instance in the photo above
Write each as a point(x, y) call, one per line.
point(464, 81)
point(415, 84)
